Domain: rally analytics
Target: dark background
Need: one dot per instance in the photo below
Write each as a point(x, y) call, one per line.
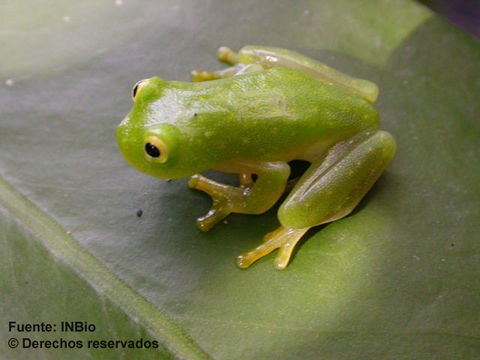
point(462, 13)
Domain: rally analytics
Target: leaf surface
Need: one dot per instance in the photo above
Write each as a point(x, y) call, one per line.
point(397, 279)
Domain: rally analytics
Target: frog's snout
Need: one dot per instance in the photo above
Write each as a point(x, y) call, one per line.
point(123, 123)
point(123, 137)
point(121, 132)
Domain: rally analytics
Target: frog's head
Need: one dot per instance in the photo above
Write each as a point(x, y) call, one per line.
point(148, 140)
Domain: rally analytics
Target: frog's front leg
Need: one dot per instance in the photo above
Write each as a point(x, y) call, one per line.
point(251, 198)
point(245, 180)
point(329, 190)
point(228, 56)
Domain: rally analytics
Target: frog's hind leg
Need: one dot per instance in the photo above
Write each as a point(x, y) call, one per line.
point(228, 56)
point(329, 190)
point(283, 239)
point(270, 57)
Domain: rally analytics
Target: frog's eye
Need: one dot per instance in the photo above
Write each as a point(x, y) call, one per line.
point(137, 87)
point(155, 149)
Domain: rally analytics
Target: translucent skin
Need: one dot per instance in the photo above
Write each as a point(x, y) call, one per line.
point(254, 118)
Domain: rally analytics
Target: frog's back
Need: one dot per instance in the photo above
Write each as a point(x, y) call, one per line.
point(278, 106)
point(291, 107)
point(293, 96)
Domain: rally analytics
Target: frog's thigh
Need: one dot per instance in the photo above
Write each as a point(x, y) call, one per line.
point(327, 192)
point(275, 57)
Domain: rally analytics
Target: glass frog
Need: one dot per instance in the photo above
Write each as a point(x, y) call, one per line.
point(270, 107)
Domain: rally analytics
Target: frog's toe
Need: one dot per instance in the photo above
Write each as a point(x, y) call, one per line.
point(222, 204)
point(210, 187)
point(227, 55)
point(244, 261)
point(202, 75)
point(194, 180)
point(248, 258)
point(217, 213)
point(284, 255)
point(199, 182)
point(283, 238)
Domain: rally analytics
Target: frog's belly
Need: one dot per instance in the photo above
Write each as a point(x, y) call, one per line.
point(293, 141)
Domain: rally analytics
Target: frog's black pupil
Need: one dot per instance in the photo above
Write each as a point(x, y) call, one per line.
point(152, 150)
point(134, 91)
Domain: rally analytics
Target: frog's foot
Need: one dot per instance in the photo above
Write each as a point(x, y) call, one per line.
point(283, 239)
point(221, 204)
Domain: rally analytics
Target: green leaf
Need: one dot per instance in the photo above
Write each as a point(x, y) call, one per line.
point(397, 279)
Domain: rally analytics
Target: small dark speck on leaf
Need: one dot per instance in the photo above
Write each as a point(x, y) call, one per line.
point(139, 212)
point(195, 114)
point(452, 244)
